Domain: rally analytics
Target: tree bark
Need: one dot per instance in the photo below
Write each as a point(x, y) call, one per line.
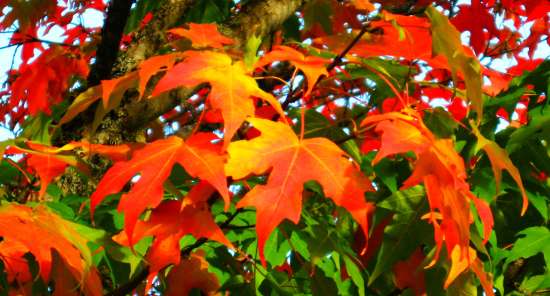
point(111, 34)
point(152, 36)
point(258, 18)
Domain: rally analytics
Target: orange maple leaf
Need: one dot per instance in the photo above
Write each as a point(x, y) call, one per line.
point(170, 221)
point(41, 232)
point(50, 162)
point(47, 167)
point(459, 263)
point(500, 161)
point(293, 162)
point(203, 35)
point(114, 89)
point(153, 163)
point(114, 152)
point(313, 67)
point(153, 65)
point(42, 83)
point(192, 273)
point(231, 91)
point(46, 164)
point(396, 35)
point(363, 5)
point(410, 274)
point(442, 171)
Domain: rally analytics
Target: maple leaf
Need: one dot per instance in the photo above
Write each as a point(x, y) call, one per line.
point(399, 136)
point(363, 5)
point(153, 163)
point(170, 221)
point(459, 263)
point(539, 29)
point(47, 165)
point(28, 40)
point(41, 232)
point(203, 35)
point(81, 103)
point(399, 36)
point(114, 152)
point(192, 273)
point(446, 41)
point(112, 93)
point(153, 65)
point(500, 161)
point(26, 14)
point(475, 18)
point(17, 268)
point(410, 274)
point(313, 67)
point(42, 83)
point(293, 162)
point(499, 81)
point(441, 170)
point(231, 88)
point(113, 89)
point(50, 162)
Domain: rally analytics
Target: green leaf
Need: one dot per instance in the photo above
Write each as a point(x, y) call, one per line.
point(507, 100)
point(404, 201)
point(318, 12)
point(440, 122)
point(535, 240)
point(388, 171)
point(317, 125)
point(446, 41)
point(392, 70)
point(398, 243)
point(539, 124)
point(463, 286)
point(251, 50)
point(539, 202)
point(355, 273)
point(536, 283)
point(137, 14)
point(277, 248)
point(539, 79)
point(8, 173)
point(323, 285)
point(62, 210)
point(37, 129)
point(300, 245)
point(351, 148)
point(208, 11)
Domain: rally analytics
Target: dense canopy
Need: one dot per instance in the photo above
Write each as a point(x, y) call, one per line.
point(275, 147)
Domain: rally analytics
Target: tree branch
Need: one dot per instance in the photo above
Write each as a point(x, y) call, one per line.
point(151, 37)
point(111, 34)
point(335, 62)
point(259, 18)
point(263, 16)
point(146, 42)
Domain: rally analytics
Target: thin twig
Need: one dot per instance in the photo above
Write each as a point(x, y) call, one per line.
point(338, 59)
point(335, 62)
